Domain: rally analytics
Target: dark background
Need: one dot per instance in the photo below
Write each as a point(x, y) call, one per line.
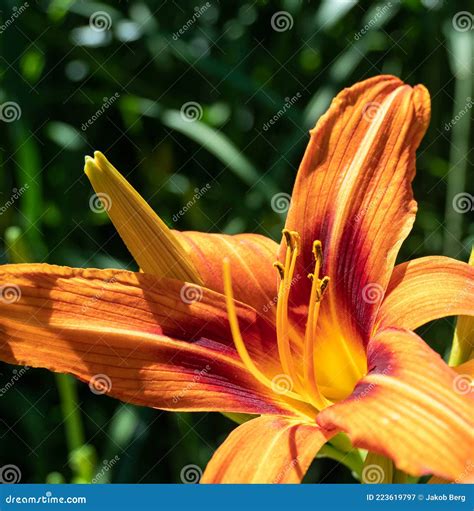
point(240, 71)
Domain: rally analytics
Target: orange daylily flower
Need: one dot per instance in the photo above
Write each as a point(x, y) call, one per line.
point(335, 352)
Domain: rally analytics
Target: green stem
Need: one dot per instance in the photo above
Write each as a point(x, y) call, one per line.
point(17, 248)
point(463, 340)
point(70, 409)
point(238, 418)
point(82, 457)
point(461, 44)
point(462, 351)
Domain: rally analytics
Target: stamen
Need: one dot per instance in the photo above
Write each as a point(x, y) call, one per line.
point(318, 251)
point(292, 239)
point(318, 288)
point(237, 336)
point(323, 286)
point(280, 268)
point(283, 338)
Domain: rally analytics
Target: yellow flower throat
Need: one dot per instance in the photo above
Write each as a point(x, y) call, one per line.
point(303, 384)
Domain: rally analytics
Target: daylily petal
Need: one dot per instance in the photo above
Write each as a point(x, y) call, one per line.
point(158, 342)
point(465, 380)
point(353, 193)
point(467, 477)
point(426, 289)
point(266, 450)
point(467, 368)
point(408, 408)
point(152, 244)
point(251, 257)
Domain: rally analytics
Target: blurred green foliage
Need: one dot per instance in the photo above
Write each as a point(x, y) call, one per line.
point(237, 71)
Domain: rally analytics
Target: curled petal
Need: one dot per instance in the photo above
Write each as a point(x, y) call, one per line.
point(426, 289)
point(410, 408)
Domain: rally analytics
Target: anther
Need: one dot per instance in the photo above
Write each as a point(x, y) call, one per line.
point(318, 250)
point(292, 239)
point(281, 269)
point(286, 234)
point(323, 286)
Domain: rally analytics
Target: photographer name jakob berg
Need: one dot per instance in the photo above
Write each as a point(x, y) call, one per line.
point(445, 497)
